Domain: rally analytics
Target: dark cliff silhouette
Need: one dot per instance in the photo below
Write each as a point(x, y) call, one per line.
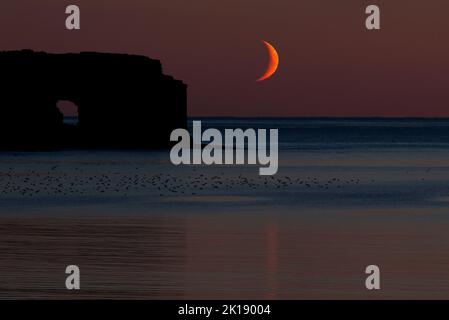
point(124, 101)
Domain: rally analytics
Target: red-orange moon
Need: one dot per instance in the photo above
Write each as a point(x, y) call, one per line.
point(273, 64)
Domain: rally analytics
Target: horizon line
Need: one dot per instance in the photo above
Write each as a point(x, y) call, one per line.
point(315, 117)
point(322, 117)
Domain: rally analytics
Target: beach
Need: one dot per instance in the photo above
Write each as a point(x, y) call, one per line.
point(141, 228)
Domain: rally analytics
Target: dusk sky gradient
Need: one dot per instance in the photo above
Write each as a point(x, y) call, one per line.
point(330, 65)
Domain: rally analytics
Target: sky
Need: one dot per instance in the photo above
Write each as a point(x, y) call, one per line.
point(330, 65)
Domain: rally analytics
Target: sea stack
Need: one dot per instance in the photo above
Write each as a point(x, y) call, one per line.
point(124, 101)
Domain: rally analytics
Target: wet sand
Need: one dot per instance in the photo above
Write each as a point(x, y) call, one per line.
point(240, 258)
point(141, 228)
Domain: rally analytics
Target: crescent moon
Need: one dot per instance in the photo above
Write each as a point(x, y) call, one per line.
point(273, 64)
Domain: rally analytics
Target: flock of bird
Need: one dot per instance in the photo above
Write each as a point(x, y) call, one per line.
point(60, 182)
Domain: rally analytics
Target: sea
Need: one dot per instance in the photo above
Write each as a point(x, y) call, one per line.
point(349, 193)
point(344, 133)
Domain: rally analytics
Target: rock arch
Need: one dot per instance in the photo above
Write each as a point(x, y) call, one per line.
point(124, 101)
